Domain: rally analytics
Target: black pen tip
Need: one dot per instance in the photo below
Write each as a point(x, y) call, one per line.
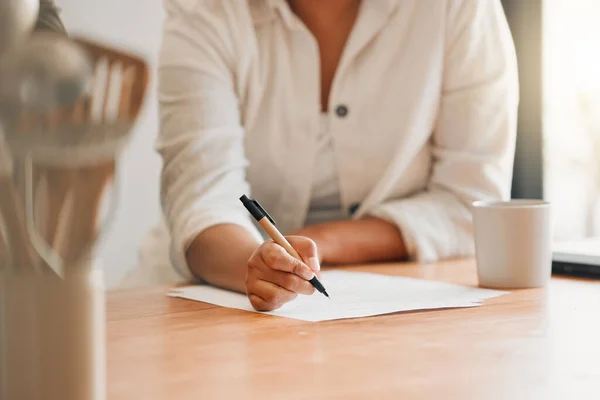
point(325, 293)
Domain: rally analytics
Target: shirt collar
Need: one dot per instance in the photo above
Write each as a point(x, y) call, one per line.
point(283, 8)
point(264, 11)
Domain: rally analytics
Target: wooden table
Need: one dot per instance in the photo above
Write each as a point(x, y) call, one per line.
point(529, 344)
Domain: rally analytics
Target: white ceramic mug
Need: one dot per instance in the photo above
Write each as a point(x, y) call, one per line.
point(513, 243)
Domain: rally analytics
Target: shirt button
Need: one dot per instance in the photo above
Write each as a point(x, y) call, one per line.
point(341, 111)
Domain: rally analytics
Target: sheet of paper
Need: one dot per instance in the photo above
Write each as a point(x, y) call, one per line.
point(354, 295)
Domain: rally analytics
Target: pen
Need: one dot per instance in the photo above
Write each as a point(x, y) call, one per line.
point(268, 224)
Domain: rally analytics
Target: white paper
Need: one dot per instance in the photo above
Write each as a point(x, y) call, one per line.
point(354, 295)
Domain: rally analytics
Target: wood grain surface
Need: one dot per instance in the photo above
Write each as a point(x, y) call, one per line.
point(529, 344)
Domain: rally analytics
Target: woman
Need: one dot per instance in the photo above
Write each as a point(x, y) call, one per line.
point(366, 128)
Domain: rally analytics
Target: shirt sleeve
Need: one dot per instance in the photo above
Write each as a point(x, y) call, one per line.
point(201, 140)
point(473, 144)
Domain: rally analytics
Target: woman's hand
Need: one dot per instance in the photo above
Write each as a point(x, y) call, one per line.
point(274, 277)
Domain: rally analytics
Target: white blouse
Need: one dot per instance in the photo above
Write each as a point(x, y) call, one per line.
point(325, 197)
point(422, 119)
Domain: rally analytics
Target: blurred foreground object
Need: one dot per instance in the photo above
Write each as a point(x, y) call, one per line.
point(17, 18)
point(67, 108)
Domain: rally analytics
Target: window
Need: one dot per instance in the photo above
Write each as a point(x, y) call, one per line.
point(571, 115)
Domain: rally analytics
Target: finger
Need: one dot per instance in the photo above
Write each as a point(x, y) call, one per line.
point(273, 296)
point(288, 281)
point(258, 269)
point(260, 304)
point(308, 251)
point(275, 257)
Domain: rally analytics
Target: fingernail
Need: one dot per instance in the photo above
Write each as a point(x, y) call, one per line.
point(307, 274)
point(313, 263)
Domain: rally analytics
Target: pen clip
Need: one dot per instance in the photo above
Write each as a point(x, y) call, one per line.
point(257, 204)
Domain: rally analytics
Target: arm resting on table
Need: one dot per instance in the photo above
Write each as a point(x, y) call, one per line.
point(201, 144)
point(219, 256)
point(474, 140)
point(356, 242)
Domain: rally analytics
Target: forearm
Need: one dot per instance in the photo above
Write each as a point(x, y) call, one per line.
point(220, 254)
point(355, 242)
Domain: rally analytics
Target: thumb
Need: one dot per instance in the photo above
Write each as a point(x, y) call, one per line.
point(307, 249)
